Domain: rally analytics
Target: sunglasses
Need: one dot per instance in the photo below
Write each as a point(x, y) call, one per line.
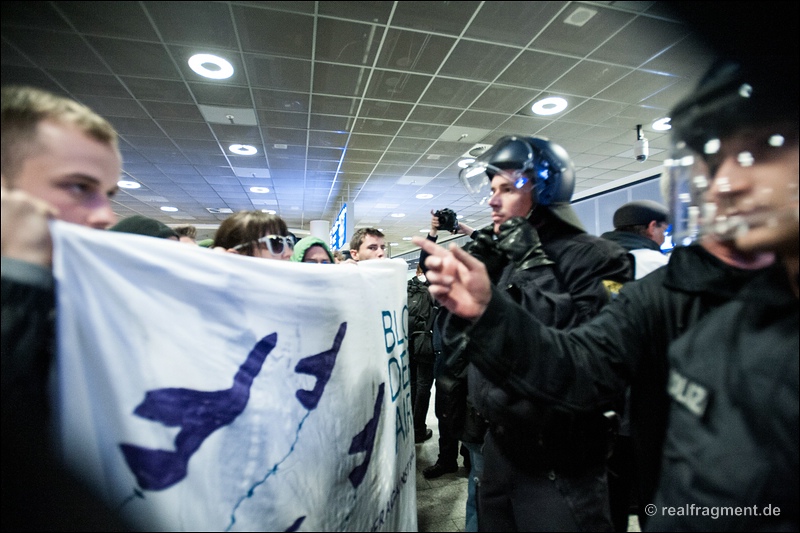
point(276, 244)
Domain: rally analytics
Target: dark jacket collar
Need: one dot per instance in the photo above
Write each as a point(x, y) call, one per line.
point(693, 269)
point(631, 241)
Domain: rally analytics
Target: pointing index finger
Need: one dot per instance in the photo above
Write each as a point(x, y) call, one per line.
point(429, 246)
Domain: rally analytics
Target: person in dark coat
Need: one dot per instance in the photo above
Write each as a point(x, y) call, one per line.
point(542, 469)
point(639, 227)
point(421, 314)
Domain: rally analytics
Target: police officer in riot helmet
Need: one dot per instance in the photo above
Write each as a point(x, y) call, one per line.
point(537, 253)
point(539, 177)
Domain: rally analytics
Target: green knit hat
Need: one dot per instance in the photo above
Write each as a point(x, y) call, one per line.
point(305, 243)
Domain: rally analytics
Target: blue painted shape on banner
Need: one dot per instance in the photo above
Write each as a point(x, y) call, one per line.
point(297, 524)
point(364, 441)
point(321, 367)
point(198, 414)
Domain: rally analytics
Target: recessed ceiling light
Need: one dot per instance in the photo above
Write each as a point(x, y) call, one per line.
point(168, 208)
point(242, 149)
point(124, 184)
point(393, 243)
point(269, 211)
point(406, 238)
point(221, 68)
point(397, 215)
point(662, 124)
point(464, 163)
point(259, 190)
point(424, 230)
point(580, 16)
point(424, 196)
point(549, 106)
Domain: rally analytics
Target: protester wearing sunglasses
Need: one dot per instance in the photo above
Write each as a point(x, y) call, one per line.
point(256, 234)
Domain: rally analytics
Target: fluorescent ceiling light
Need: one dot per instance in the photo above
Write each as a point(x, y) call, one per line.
point(222, 71)
point(397, 215)
point(269, 211)
point(242, 149)
point(424, 196)
point(260, 190)
point(168, 208)
point(124, 184)
point(662, 124)
point(549, 106)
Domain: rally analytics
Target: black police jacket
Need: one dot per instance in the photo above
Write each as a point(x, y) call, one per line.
point(732, 441)
point(560, 282)
point(589, 365)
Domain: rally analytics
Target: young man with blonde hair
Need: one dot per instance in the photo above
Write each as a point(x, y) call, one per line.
point(60, 160)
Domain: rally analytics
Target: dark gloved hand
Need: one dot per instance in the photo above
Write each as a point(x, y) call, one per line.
point(484, 247)
point(519, 241)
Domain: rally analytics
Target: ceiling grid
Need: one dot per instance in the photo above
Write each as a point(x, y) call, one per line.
point(363, 103)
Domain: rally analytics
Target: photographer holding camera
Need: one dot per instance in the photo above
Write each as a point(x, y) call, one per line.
point(545, 469)
point(447, 220)
point(451, 392)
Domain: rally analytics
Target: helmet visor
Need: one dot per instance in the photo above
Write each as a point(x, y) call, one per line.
point(716, 186)
point(511, 157)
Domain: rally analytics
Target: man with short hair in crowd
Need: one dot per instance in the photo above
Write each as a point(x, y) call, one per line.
point(368, 243)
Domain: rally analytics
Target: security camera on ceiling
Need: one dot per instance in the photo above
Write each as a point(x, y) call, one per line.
point(641, 148)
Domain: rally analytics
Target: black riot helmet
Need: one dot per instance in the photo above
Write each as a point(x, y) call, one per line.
point(523, 160)
point(733, 95)
point(542, 162)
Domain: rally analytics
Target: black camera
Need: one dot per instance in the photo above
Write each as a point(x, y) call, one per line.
point(448, 220)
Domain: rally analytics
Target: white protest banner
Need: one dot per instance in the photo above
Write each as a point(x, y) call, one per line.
point(209, 391)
